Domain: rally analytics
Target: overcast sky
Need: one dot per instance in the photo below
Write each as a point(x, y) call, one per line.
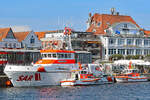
point(41, 15)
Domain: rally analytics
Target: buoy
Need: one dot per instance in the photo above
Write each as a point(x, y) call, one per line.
point(41, 69)
point(109, 79)
point(8, 83)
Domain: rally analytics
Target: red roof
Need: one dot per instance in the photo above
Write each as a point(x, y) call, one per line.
point(107, 20)
point(4, 32)
point(20, 36)
point(147, 32)
point(42, 34)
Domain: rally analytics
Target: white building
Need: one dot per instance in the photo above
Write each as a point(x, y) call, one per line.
point(28, 40)
point(119, 34)
point(8, 40)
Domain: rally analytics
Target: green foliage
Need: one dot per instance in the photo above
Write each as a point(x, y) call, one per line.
point(116, 57)
point(134, 57)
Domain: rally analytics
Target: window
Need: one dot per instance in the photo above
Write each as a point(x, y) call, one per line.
point(145, 42)
point(146, 51)
point(121, 51)
point(54, 55)
point(49, 55)
point(138, 52)
point(94, 30)
point(125, 26)
point(138, 42)
point(125, 31)
point(10, 45)
point(69, 55)
point(112, 41)
point(14, 45)
point(130, 51)
point(5, 45)
point(45, 55)
point(130, 41)
point(120, 41)
point(32, 40)
point(112, 51)
point(98, 24)
point(66, 56)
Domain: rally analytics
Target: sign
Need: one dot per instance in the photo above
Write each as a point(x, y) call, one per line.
point(35, 77)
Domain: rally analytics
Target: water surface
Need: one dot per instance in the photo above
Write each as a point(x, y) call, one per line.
point(117, 91)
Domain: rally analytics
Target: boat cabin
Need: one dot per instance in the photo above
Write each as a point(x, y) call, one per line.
point(129, 71)
point(57, 57)
point(59, 54)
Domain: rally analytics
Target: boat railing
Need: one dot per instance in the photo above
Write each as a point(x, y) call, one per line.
point(21, 64)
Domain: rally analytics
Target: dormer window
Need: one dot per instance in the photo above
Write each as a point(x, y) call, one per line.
point(32, 40)
point(94, 30)
point(98, 24)
point(125, 26)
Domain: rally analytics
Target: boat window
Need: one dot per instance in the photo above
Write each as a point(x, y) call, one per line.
point(69, 55)
point(60, 55)
point(54, 55)
point(42, 55)
point(66, 56)
point(83, 72)
point(49, 55)
point(45, 55)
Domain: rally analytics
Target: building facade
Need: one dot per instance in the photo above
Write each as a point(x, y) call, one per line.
point(28, 40)
point(86, 45)
point(119, 34)
point(8, 40)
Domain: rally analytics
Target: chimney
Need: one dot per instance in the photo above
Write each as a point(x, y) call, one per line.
point(117, 13)
point(112, 11)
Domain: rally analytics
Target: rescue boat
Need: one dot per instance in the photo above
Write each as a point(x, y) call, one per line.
point(84, 76)
point(131, 74)
point(78, 78)
point(54, 66)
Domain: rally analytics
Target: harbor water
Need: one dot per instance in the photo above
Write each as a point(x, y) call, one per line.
point(116, 91)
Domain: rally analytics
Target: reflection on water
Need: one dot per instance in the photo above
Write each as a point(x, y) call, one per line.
point(118, 91)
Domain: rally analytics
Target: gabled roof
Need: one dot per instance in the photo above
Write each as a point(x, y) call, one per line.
point(147, 32)
point(107, 20)
point(4, 32)
point(20, 36)
point(42, 34)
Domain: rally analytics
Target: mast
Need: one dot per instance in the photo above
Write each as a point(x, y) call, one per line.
point(67, 38)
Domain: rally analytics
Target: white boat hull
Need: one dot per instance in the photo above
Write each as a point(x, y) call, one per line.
point(29, 76)
point(132, 79)
point(72, 82)
point(21, 79)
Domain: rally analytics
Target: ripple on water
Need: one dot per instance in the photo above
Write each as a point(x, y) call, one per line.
point(117, 91)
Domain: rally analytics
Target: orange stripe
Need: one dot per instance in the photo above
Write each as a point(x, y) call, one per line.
point(90, 80)
point(67, 81)
point(121, 76)
point(55, 62)
point(56, 51)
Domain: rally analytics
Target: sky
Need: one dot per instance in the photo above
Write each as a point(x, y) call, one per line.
point(43, 15)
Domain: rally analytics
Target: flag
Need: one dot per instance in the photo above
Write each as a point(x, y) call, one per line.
point(117, 32)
